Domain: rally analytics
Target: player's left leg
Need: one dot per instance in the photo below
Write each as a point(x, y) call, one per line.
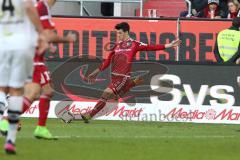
point(107, 94)
point(41, 130)
point(14, 111)
point(44, 104)
point(21, 67)
point(129, 85)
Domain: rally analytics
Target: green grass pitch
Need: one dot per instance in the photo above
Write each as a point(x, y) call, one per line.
point(121, 140)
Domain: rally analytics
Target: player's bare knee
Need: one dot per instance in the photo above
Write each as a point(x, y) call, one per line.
point(47, 90)
point(104, 96)
point(31, 96)
point(32, 91)
point(107, 94)
point(4, 89)
point(15, 91)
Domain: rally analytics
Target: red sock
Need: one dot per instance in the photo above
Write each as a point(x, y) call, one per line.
point(44, 104)
point(98, 107)
point(26, 104)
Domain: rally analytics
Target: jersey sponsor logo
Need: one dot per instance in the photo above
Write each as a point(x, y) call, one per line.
point(122, 50)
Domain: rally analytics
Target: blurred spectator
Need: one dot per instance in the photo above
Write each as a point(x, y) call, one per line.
point(197, 6)
point(107, 8)
point(233, 9)
point(212, 10)
point(224, 7)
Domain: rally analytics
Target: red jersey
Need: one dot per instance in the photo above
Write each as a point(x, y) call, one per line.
point(46, 20)
point(234, 15)
point(123, 53)
point(45, 14)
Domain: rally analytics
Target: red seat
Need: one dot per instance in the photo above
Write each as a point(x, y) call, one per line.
point(165, 8)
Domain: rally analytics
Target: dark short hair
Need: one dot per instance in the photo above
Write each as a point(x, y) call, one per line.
point(236, 22)
point(124, 26)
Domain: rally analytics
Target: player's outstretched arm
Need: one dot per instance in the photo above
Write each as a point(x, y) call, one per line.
point(92, 77)
point(174, 43)
point(42, 44)
point(149, 47)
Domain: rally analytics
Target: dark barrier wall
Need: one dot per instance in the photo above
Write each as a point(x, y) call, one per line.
point(196, 84)
point(93, 34)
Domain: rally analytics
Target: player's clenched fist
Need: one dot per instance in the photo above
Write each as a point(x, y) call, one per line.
point(71, 37)
point(42, 43)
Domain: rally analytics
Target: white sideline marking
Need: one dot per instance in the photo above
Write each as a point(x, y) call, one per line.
point(139, 137)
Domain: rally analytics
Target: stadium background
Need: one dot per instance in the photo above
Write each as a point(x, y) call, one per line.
point(194, 63)
point(95, 33)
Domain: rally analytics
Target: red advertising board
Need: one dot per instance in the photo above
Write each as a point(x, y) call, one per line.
point(199, 39)
point(94, 34)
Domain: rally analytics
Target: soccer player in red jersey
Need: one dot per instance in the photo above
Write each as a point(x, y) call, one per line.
point(120, 58)
point(41, 77)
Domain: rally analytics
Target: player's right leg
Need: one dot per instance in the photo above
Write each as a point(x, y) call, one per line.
point(107, 94)
point(32, 88)
point(32, 91)
point(131, 84)
point(41, 130)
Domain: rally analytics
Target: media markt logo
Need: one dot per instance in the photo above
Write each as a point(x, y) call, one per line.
point(182, 113)
point(210, 114)
point(226, 114)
